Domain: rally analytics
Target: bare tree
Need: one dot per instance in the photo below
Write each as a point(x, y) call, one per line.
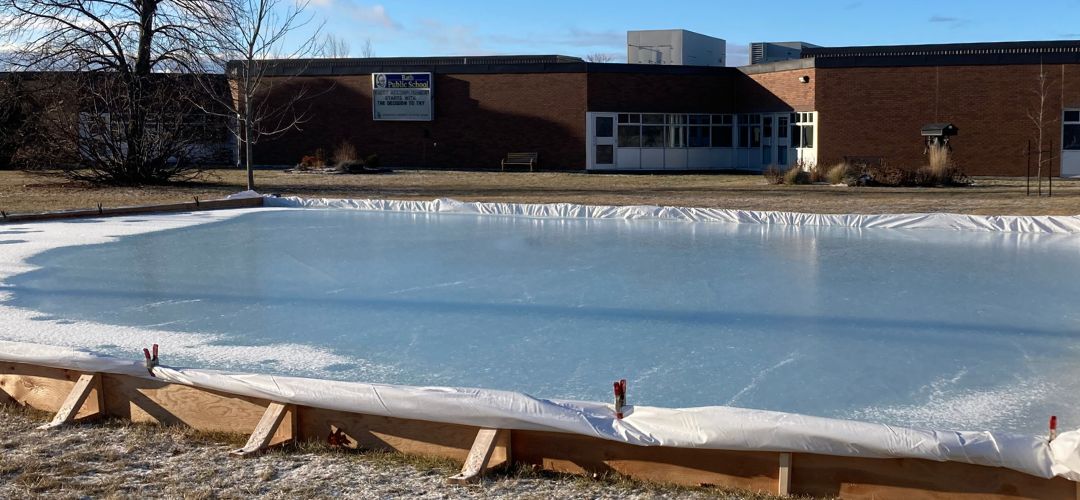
point(1041, 118)
point(367, 49)
point(254, 32)
point(335, 47)
point(600, 57)
point(117, 52)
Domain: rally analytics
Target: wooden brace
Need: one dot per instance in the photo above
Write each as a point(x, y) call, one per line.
point(276, 427)
point(87, 383)
point(784, 483)
point(480, 454)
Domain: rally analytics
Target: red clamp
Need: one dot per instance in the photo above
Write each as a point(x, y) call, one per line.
point(151, 361)
point(620, 398)
point(1053, 427)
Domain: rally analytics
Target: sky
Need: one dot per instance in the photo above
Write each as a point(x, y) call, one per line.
point(579, 28)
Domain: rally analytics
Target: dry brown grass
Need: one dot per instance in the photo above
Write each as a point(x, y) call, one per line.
point(118, 459)
point(22, 192)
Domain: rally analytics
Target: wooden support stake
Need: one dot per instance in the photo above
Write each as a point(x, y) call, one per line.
point(277, 426)
point(483, 447)
point(87, 383)
point(784, 486)
point(6, 399)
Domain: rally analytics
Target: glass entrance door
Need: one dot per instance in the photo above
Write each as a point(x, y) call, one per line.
point(1070, 143)
point(602, 155)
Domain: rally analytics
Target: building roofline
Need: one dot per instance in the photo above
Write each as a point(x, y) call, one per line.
point(1019, 47)
point(470, 65)
point(772, 67)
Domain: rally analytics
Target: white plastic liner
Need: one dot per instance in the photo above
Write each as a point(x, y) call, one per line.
point(707, 427)
point(1015, 224)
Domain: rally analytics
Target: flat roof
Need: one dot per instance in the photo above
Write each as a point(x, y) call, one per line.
point(948, 54)
point(470, 65)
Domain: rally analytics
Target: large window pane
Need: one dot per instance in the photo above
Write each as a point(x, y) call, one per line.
point(796, 136)
point(699, 119)
point(652, 136)
point(1072, 116)
point(629, 136)
point(1071, 141)
point(782, 127)
point(755, 136)
point(721, 136)
point(744, 136)
point(699, 137)
point(653, 119)
point(604, 126)
point(807, 136)
point(676, 136)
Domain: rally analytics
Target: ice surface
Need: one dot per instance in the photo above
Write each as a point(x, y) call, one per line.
point(923, 328)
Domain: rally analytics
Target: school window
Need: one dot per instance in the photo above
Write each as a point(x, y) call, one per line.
point(802, 130)
point(629, 130)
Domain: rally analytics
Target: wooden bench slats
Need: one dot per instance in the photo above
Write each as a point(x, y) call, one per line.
point(530, 159)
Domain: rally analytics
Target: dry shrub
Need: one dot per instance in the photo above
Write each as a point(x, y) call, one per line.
point(310, 162)
point(796, 175)
point(818, 173)
point(840, 173)
point(773, 175)
point(888, 175)
point(345, 152)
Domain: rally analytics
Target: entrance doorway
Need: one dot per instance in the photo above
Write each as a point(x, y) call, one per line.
point(1070, 143)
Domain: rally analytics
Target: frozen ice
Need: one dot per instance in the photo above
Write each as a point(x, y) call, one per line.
point(920, 328)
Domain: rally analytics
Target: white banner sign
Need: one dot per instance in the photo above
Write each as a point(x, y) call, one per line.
point(401, 96)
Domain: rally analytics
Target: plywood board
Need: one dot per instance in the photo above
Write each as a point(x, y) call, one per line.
point(845, 477)
point(756, 471)
point(44, 388)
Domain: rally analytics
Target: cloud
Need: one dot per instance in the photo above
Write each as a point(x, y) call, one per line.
point(954, 22)
point(375, 14)
point(603, 41)
point(451, 38)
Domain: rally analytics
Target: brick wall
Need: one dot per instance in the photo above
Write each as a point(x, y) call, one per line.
point(478, 119)
point(879, 112)
point(777, 91)
point(659, 93)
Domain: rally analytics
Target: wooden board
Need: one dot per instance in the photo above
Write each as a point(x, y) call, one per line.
point(88, 385)
point(755, 471)
point(845, 477)
point(117, 211)
point(277, 426)
point(143, 400)
point(487, 440)
point(397, 434)
point(818, 475)
point(44, 388)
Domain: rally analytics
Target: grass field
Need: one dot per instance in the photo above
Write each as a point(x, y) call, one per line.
point(22, 192)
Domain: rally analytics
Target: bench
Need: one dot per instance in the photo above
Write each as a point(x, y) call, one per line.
point(530, 159)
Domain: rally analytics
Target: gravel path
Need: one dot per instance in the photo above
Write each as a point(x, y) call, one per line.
point(115, 459)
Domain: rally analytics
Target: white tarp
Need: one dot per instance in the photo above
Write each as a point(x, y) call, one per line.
point(706, 427)
point(1015, 224)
